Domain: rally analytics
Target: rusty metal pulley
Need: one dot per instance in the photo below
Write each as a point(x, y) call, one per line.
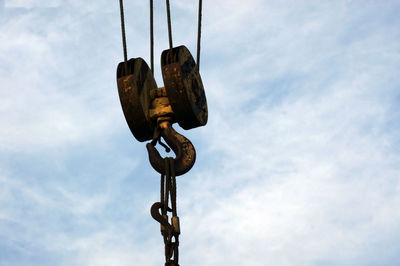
point(182, 99)
point(134, 93)
point(151, 111)
point(184, 87)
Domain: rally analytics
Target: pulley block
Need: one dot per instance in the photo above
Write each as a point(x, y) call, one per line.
point(184, 87)
point(134, 93)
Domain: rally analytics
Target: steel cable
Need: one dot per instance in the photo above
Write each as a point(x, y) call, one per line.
point(169, 27)
point(167, 185)
point(199, 34)
point(151, 37)
point(173, 187)
point(121, 7)
point(162, 188)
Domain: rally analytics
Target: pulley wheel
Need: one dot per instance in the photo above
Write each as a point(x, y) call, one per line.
point(134, 93)
point(184, 87)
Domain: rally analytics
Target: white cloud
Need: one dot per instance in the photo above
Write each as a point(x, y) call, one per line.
point(38, 87)
point(31, 3)
point(306, 180)
point(297, 165)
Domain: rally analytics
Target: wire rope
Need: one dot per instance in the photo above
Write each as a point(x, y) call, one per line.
point(169, 27)
point(199, 34)
point(121, 7)
point(151, 37)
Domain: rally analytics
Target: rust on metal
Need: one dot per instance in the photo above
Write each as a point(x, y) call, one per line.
point(163, 220)
point(160, 106)
point(184, 87)
point(134, 93)
point(182, 147)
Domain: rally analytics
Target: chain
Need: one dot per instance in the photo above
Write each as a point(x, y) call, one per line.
point(169, 231)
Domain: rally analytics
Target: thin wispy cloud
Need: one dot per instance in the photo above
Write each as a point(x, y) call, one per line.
point(298, 165)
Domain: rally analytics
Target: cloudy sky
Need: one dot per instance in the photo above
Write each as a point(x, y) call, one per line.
point(299, 163)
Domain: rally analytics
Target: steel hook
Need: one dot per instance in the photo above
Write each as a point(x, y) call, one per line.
point(182, 147)
point(155, 213)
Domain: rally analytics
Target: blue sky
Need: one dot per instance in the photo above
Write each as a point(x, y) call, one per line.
point(298, 164)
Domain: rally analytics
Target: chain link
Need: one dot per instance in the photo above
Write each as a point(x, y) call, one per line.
point(169, 231)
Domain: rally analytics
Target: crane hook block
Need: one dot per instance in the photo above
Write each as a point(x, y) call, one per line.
point(182, 147)
point(134, 93)
point(184, 87)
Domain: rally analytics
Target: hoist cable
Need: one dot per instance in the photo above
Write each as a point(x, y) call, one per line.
point(151, 38)
point(167, 185)
point(199, 34)
point(121, 7)
point(173, 187)
point(162, 188)
point(169, 26)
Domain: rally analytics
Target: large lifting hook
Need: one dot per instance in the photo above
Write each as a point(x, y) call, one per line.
point(182, 147)
point(161, 112)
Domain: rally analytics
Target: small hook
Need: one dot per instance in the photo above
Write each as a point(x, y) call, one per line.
point(155, 213)
point(182, 147)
